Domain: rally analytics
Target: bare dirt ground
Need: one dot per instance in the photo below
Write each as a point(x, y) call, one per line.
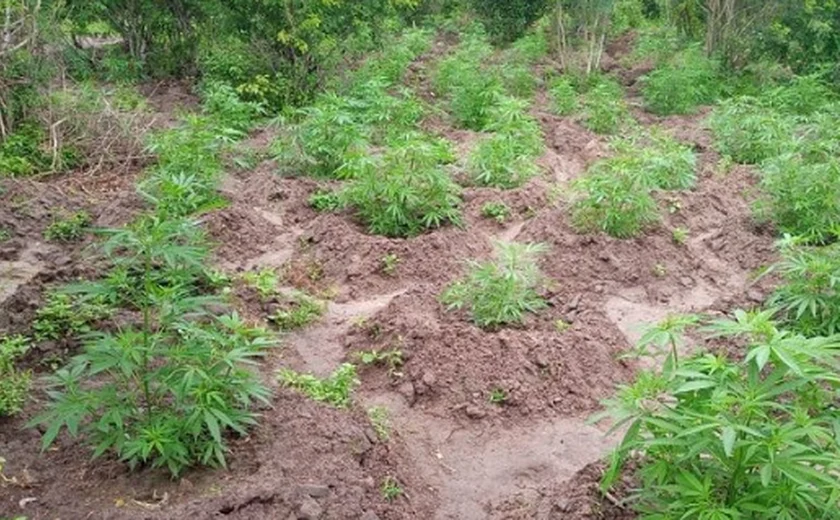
point(456, 455)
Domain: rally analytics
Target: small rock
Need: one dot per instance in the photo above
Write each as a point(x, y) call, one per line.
point(309, 510)
point(314, 490)
point(368, 482)
point(599, 288)
point(604, 256)
point(429, 379)
point(475, 412)
point(369, 515)
point(574, 303)
point(371, 435)
point(755, 296)
point(686, 281)
point(541, 360)
point(407, 390)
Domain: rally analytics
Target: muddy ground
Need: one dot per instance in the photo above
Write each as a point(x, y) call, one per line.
point(456, 455)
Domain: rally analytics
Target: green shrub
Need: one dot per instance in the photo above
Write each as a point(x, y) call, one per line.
point(749, 132)
point(265, 281)
point(471, 90)
point(65, 315)
point(68, 229)
point(21, 154)
point(335, 389)
point(615, 199)
point(325, 200)
point(662, 162)
point(802, 197)
point(803, 96)
point(221, 101)
point(14, 383)
point(681, 85)
point(808, 298)
point(564, 97)
point(532, 47)
point(501, 291)
point(604, 109)
point(507, 20)
point(518, 80)
point(406, 191)
point(170, 385)
point(724, 438)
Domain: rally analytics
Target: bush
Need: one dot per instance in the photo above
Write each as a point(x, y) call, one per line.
point(405, 192)
point(21, 154)
point(808, 299)
point(500, 292)
point(802, 197)
point(223, 103)
point(748, 132)
point(802, 96)
point(614, 199)
point(724, 438)
point(662, 162)
point(604, 109)
point(681, 85)
point(507, 20)
point(14, 383)
point(168, 387)
point(506, 158)
point(518, 79)
point(564, 97)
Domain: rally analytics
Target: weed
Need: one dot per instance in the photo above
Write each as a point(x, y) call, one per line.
point(681, 85)
point(614, 201)
point(807, 300)
point(265, 281)
point(14, 383)
point(749, 132)
point(498, 396)
point(405, 193)
point(564, 97)
point(223, 103)
point(665, 162)
point(69, 229)
point(301, 311)
point(393, 358)
point(5, 235)
point(334, 390)
point(391, 489)
point(659, 270)
point(66, 315)
point(498, 211)
point(325, 200)
point(390, 262)
point(518, 80)
point(712, 435)
point(501, 291)
point(379, 418)
point(471, 91)
point(604, 109)
point(679, 235)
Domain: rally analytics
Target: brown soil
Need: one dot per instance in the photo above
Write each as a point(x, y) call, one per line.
point(456, 455)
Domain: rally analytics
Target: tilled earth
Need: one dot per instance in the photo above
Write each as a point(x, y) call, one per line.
point(456, 455)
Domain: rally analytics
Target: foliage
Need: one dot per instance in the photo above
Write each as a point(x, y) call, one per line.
point(21, 153)
point(801, 96)
point(498, 396)
point(300, 311)
point(614, 200)
point(378, 416)
point(391, 489)
point(682, 84)
point(604, 109)
point(498, 211)
point(390, 262)
point(325, 200)
point(657, 159)
point(69, 229)
point(518, 79)
point(679, 235)
point(749, 132)
point(391, 357)
point(221, 101)
point(506, 158)
point(507, 20)
point(265, 281)
point(334, 390)
point(14, 383)
point(501, 291)
point(721, 438)
point(563, 95)
point(407, 190)
point(65, 315)
point(808, 299)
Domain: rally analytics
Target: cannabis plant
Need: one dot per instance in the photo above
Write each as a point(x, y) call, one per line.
point(69, 228)
point(723, 438)
point(616, 201)
point(405, 192)
point(684, 83)
point(14, 383)
point(808, 299)
point(604, 109)
point(749, 132)
point(501, 291)
point(564, 97)
point(163, 389)
point(335, 389)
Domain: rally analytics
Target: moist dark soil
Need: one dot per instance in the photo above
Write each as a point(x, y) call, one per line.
point(455, 454)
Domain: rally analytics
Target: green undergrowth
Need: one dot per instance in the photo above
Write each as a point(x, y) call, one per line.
point(682, 84)
point(14, 383)
point(336, 389)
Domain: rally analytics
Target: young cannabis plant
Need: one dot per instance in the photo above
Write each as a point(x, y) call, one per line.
point(498, 211)
point(615, 201)
point(749, 132)
point(604, 109)
point(724, 438)
point(14, 383)
point(808, 300)
point(335, 389)
point(325, 201)
point(687, 81)
point(405, 192)
point(564, 97)
point(66, 315)
point(298, 312)
point(501, 291)
point(265, 282)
